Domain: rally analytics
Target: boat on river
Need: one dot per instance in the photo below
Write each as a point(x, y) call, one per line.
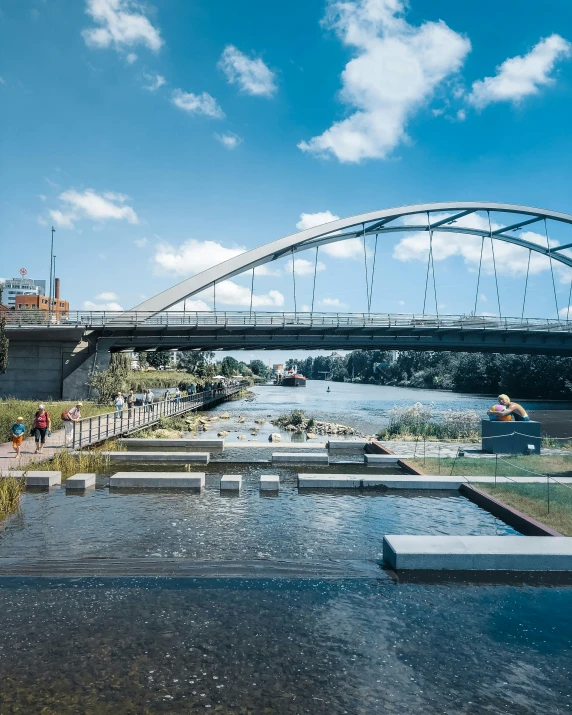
point(292, 379)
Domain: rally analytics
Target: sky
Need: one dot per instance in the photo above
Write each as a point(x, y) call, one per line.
point(159, 139)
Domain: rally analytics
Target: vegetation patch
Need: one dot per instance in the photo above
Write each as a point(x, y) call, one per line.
point(518, 465)
point(418, 420)
point(10, 491)
point(87, 462)
point(297, 421)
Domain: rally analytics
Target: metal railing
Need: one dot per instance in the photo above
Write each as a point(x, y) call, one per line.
point(91, 430)
point(285, 320)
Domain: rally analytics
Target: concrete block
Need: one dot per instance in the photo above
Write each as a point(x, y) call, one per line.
point(412, 481)
point(300, 458)
point(139, 443)
point(334, 444)
point(380, 460)
point(329, 481)
point(158, 480)
point(231, 483)
point(510, 437)
point(478, 553)
point(43, 479)
point(80, 481)
point(269, 483)
point(160, 457)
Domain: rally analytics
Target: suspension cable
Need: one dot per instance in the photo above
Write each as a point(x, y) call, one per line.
point(494, 263)
point(551, 269)
point(428, 264)
point(433, 269)
point(315, 271)
point(294, 280)
point(526, 283)
point(569, 299)
point(479, 274)
point(214, 296)
point(372, 275)
point(251, 291)
point(365, 263)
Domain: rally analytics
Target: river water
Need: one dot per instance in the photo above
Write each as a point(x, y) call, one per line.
point(367, 407)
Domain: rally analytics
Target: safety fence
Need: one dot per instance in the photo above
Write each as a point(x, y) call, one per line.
point(91, 430)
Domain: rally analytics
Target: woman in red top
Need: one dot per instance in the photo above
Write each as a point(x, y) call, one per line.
point(42, 425)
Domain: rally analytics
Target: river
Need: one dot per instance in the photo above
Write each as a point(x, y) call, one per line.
point(367, 407)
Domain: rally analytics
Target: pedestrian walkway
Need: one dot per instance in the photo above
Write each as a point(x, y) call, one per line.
point(8, 459)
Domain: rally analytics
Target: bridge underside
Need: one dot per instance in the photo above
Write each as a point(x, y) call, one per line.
point(304, 338)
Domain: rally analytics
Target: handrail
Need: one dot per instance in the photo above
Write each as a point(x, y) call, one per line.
point(283, 320)
point(91, 430)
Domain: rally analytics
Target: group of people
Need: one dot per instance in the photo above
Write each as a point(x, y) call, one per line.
point(42, 427)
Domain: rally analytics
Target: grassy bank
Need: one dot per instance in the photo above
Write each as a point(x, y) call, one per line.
point(418, 421)
point(10, 490)
point(533, 499)
point(514, 466)
point(10, 410)
point(87, 462)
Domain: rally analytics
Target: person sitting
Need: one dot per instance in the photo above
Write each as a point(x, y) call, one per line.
point(511, 410)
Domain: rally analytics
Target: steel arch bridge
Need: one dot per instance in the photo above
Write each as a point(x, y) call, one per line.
point(373, 223)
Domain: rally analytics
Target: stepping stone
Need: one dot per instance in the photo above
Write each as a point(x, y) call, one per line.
point(43, 479)
point(157, 480)
point(231, 483)
point(300, 457)
point(159, 457)
point(139, 443)
point(329, 481)
point(347, 444)
point(80, 481)
point(269, 483)
point(380, 460)
point(478, 553)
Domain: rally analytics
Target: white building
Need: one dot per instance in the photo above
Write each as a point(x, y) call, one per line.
point(21, 286)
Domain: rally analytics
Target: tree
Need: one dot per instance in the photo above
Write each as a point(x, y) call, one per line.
point(229, 366)
point(109, 382)
point(158, 358)
point(193, 360)
point(142, 356)
point(258, 368)
point(244, 369)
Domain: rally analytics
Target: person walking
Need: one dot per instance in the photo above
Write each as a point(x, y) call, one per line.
point(119, 404)
point(149, 400)
point(177, 396)
point(18, 431)
point(72, 417)
point(42, 426)
point(131, 400)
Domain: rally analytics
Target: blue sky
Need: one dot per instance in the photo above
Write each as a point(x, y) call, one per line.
point(160, 138)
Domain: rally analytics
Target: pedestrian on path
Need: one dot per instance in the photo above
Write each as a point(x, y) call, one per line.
point(18, 431)
point(178, 396)
point(42, 426)
point(149, 397)
point(131, 400)
point(72, 416)
point(119, 403)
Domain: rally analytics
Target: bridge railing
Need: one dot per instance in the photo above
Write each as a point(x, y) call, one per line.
point(283, 320)
point(91, 430)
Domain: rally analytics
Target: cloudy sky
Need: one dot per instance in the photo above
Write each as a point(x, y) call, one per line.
point(159, 139)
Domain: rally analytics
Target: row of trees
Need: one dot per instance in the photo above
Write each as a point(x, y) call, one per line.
point(482, 373)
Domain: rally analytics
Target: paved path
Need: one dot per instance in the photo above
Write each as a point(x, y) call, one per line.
point(408, 450)
point(8, 459)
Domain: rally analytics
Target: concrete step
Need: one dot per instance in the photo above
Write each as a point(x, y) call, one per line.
point(157, 480)
point(80, 481)
point(153, 445)
point(380, 460)
point(334, 444)
point(269, 483)
point(231, 483)
point(43, 479)
point(147, 457)
point(478, 553)
point(329, 481)
point(300, 458)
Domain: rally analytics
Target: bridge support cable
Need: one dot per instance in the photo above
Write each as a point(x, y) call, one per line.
point(372, 276)
point(251, 293)
point(365, 264)
point(214, 296)
point(315, 271)
point(433, 269)
point(494, 263)
point(294, 281)
point(430, 265)
point(479, 274)
point(526, 284)
point(569, 299)
point(551, 270)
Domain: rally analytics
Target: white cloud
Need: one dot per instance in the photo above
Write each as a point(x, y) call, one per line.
point(510, 260)
point(90, 305)
point(252, 76)
point(331, 303)
point(348, 248)
point(197, 103)
point(106, 296)
point(120, 24)
point(141, 242)
point(230, 293)
point(89, 205)
point(191, 257)
point(566, 312)
point(521, 76)
point(155, 81)
point(42, 221)
point(42, 197)
point(315, 219)
point(461, 115)
point(395, 73)
point(302, 267)
point(191, 304)
point(131, 58)
point(229, 140)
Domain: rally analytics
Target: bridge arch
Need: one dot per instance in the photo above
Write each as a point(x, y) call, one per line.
point(374, 222)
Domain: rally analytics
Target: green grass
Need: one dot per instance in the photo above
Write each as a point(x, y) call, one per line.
point(10, 410)
point(532, 499)
point(516, 465)
point(90, 462)
point(10, 490)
